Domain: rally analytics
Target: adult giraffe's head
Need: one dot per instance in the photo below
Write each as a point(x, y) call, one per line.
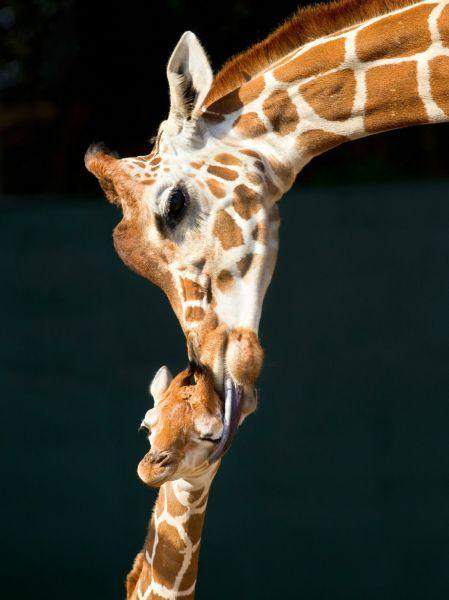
point(200, 221)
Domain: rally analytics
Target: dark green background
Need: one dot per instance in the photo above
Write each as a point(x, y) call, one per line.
point(336, 488)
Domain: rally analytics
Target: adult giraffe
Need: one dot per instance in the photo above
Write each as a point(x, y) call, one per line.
point(199, 212)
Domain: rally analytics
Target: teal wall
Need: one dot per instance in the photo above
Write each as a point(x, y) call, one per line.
point(337, 488)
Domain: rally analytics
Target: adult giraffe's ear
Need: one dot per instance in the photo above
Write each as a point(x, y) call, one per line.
point(189, 77)
point(106, 167)
point(160, 383)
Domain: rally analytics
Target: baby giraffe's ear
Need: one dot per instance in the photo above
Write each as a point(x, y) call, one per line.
point(160, 383)
point(189, 76)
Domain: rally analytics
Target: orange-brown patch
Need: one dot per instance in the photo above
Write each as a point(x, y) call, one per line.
point(250, 152)
point(318, 59)
point(331, 96)
point(194, 313)
point(225, 280)
point(403, 34)
point(227, 159)
point(254, 178)
point(197, 164)
point(191, 290)
point(439, 76)
point(222, 172)
point(244, 264)
point(249, 125)
point(212, 117)
point(259, 233)
point(216, 187)
point(239, 97)
point(195, 527)
point(155, 161)
point(148, 181)
point(169, 554)
point(272, 189)
point(443, 26)
point(175, 508)
point(139, 163)
point(195, 495)
point(281, 112)
point(284, 172)
point(227, 230)
point(246, 201)
point(392, 98)
point(317, 141)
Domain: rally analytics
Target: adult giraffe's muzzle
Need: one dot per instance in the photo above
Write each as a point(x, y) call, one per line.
point(235, 358)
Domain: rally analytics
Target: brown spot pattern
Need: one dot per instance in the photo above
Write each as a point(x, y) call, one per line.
point(281, 112)
point(250, 125)
point(317, 60)
point(225, 280)
point(250, 152)
point(272, 189)
point(175, 508)
point(213, 118)
point(254, 178)
point(259, 233)
point(244, 264)
point(168, 556)
point(284, 172)
point(403, 34)
point(331, 96)
point(240, 97)
point(227, 230)
point(246, 201)
point(439, 77)
point(191, 290)
point(197, 164)
point(227, 159)
point(194, 313)
point(392, 97)
point(216, 188)
point(317, 141)
point(223, 172)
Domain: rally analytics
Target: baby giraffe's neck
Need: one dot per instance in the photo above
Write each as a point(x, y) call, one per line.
point(168, 564)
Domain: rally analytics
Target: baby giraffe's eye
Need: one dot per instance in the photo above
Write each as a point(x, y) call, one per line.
point(176, 205)
point(209, 438)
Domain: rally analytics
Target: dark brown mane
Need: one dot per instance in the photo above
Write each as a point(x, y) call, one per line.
point(307, 24)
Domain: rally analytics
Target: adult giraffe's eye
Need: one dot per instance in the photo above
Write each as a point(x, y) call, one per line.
point(176, 206)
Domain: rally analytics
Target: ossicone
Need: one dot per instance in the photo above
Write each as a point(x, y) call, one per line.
point(105, 165)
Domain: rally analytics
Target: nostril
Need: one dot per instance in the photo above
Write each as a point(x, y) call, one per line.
point(162, 459)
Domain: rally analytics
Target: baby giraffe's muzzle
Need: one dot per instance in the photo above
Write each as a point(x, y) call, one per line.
point(158, 466)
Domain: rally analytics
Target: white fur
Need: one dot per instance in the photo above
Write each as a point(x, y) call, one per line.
point(160, 383)
point(188, 63)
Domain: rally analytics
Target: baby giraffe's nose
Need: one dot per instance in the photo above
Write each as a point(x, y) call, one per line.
point(162, 459)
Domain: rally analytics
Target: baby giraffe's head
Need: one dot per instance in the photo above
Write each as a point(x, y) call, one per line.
point(185, 426)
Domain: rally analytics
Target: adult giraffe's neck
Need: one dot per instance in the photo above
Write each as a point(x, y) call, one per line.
point(388, 72)
point(168, 564)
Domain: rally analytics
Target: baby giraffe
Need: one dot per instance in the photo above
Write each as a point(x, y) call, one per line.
point(184, 427)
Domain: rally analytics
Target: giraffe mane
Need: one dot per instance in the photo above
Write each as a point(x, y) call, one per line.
point(305, 25)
